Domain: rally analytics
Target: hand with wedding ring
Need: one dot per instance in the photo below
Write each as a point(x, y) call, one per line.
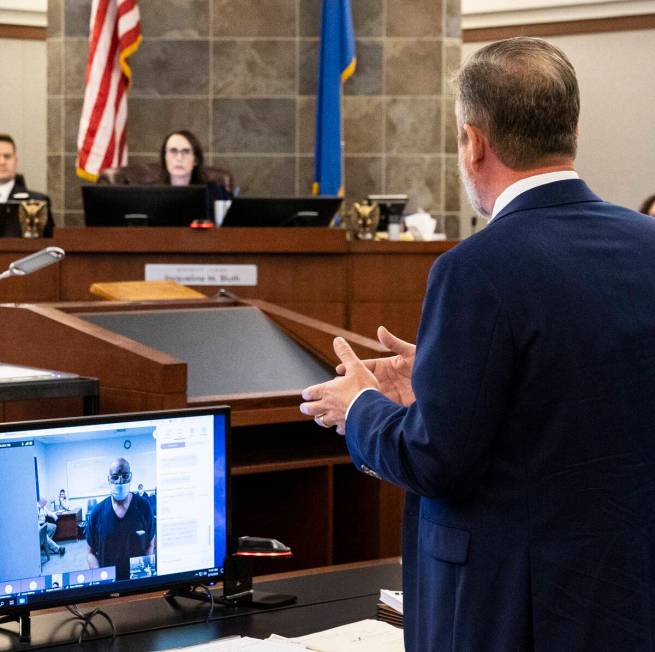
point(327, 402)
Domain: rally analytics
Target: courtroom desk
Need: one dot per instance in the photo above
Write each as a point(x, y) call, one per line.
point(317, 272)
point(327, 597)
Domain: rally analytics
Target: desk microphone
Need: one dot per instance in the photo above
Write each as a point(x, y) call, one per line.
point(34, 262)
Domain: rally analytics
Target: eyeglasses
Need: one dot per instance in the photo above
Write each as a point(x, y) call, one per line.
point(119, 478)
point(184, 152)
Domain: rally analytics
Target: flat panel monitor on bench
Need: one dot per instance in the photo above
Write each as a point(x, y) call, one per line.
point(282, 211)
point(106, 205)
point(169, 472)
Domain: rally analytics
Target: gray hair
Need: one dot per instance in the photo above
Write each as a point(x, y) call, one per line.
point(523, 94)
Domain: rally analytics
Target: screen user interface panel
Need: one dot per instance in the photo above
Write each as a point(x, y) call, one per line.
point(99, 506)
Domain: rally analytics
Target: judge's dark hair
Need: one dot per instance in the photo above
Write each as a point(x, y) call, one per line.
point(6, 138)
point(523, 94)
point(647, 205)
point(198, 173)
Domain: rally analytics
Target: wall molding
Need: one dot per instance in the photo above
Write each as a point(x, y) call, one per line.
point(563, 28)
point(23, 32)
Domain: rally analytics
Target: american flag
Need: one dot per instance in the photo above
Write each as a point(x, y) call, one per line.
point(114, 35)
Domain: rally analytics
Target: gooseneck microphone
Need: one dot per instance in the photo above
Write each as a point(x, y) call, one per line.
point(34, 262)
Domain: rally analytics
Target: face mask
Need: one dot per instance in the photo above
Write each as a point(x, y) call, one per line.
point(120, 491)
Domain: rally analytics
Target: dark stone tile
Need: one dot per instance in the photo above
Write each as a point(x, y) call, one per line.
point(419, 177)
point(453, 26)
point(450, 125)
point(413, 125)
point(171, 68)
point(306, 121)
point(76, 52)
point(452, 227)
point(415, 18)
point(55, 56)
point(55, 126)
point(55, 16)
point(145, 134)
point(367, 17)
point(305, 178)
point(308, 68)
point(55, 182)
point(452, 188)
point(72, 113)
point(368, 77)
point(263, 125)
point(77, 14)
point(453, 59)
point(363, 176)
point(71, 218)
point(261, 68)
point(261, 175)
point(175, 18)
point(412, 67)
point(261, 18)
point(363, 120)
point(72, 186)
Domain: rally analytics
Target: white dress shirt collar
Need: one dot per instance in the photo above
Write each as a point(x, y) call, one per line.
point(522, 185)
point(5, 191)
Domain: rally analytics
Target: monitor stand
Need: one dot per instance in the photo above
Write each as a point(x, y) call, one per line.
point(24, 625)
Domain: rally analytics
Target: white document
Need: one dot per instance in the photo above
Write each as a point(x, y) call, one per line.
point(362, 636)
point(245, 644)
point(9, 372)
point(392, 598)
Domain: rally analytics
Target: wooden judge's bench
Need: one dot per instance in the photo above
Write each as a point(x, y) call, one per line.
point(292, 480)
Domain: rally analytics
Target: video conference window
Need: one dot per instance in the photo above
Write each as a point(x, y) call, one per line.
point(94, 504)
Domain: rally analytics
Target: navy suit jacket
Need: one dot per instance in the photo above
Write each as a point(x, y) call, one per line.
point(529, 454)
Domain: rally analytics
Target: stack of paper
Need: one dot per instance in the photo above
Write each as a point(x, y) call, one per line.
point(390, 607)
point(362, 636)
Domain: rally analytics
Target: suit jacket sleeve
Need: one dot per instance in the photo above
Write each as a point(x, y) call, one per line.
point(462, 373)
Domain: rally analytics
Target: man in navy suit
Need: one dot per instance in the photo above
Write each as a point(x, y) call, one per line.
point(522, 425)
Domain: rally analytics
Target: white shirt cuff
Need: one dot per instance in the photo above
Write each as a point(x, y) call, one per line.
point(359, 393)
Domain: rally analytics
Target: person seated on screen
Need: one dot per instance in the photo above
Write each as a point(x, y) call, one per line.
point(182, 163)
point(141, 491)
point(648, 207)
point(62, 504)
point(12, 185)
point(121, 526)
point(48, 519)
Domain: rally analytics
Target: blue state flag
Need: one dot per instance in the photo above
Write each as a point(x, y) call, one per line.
point(337, 62)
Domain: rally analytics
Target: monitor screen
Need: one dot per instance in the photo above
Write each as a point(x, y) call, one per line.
point(9, 222)
point(106, 205)
point(100, 506)
point(281, 211)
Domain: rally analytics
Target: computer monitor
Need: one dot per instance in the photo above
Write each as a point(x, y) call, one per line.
point(106, 205)
point(282, 211)
point(9, 221)
point(176, 533)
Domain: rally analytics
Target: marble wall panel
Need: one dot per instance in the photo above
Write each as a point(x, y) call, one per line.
point(418, 18)
point(77, 15)
point(451, 190)
point(72, 186)
point(55, 57)
point(419, 177)
point(261, 175)
point(412, 67)
point(305, 175)
point(362, 177)
point(413, 125)
point(55, 182)
point(55, 124)
point(72, 113)
point(363, 125)
point(306, 122)
point(453, 22)
point(75, 53)
point(151, 119)
point(259, 68)
point(254, 125)
point(450, 145)
point(55, 16)
point(367, 18)
point(260, 18)
point(175, 19)
point(368, 78)
point(171, 68)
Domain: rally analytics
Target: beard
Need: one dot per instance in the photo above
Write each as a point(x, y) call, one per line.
point(472, 193)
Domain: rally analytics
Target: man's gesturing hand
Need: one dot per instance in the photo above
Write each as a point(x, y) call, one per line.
point(394, 374)
point(328, 402)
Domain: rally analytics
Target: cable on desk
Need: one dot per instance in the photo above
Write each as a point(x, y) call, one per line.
point(87, 617)
point(210, 596)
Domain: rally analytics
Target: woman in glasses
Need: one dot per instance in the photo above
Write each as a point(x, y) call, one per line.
point(182, 164)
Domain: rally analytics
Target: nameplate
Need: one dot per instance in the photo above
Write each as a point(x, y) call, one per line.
point(203, 274)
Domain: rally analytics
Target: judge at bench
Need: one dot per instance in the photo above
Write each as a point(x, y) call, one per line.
point(12, 187)
point(525, 439)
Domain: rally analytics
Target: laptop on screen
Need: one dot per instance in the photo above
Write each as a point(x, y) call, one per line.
point(282, 211)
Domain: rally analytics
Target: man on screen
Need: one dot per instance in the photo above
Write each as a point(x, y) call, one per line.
point(121, 526)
